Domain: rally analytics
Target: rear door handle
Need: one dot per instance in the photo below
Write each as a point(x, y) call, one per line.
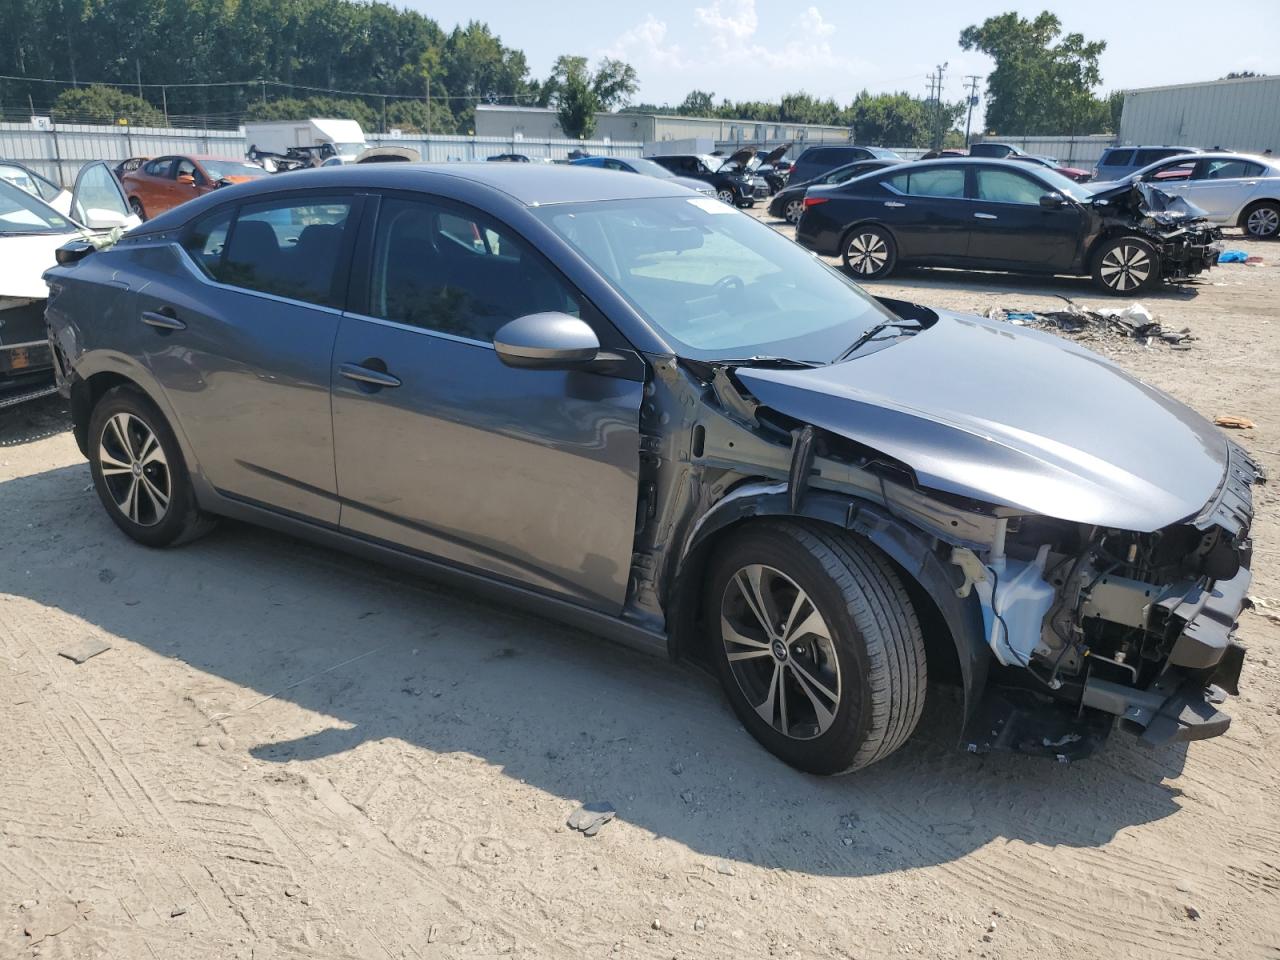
point(363, 374)
point(985, 216)
point(163, 319)
point(893, 203)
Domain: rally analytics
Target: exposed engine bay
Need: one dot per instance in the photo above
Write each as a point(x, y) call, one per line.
point(1187, 243)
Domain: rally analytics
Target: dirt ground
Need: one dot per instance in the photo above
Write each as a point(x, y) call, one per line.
point(287, 752)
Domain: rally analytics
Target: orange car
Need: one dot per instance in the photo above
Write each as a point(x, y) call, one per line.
point(165, 182)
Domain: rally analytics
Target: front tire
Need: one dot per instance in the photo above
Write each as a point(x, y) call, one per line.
point(817, 645)
point(139, 472)
point(136, 206)
point(725, 195)
point(1125, 266)
point(1262, 221)
point(869, 252)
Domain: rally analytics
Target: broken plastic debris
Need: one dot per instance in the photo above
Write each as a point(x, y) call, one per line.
point(1063, 740)
point(590, 817)
point(84, 650)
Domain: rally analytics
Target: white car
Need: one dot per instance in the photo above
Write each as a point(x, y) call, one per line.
point(37, 185)
point(31, 231)
point(1233, 189)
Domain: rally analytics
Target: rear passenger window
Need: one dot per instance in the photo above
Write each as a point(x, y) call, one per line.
point(1231, 169)
point(446, 271)
point(946, 182)
point(1144, 157)
point(288, 248)
point(1117, 158)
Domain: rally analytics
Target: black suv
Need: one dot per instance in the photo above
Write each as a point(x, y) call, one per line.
point(815, 161)
point(730, 177)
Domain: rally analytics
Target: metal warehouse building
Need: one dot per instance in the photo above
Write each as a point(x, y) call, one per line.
point(1241, 114)
point(496, 120)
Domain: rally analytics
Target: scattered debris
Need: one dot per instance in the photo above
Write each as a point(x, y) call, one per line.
point(1239, 256)
point(1264, 607)
point(1192, 912)
point(656, 925)
point(686, 796)
point(590, 817)
point(84, 650)
point(725, 868)
point(1234, 422)
point(1134, 322)
point(677, 767)
point(699, 925)
point(177, 911)
point(292, 891)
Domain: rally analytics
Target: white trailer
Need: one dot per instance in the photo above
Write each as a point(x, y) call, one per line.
point(277, 136)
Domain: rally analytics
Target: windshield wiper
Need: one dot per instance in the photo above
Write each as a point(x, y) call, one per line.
point(912, 326)
point(764, 360)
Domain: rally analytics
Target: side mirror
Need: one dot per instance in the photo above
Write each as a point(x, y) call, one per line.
point(187, 178)
point(546, 341)
point(96, 219)
point(1052, 201)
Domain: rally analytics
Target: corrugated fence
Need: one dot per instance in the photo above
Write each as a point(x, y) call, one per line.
point(60, 153)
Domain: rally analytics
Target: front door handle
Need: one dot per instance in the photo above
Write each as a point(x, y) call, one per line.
point(985, 216)
point(363, 374)
point(163, 319)
point(893, 203)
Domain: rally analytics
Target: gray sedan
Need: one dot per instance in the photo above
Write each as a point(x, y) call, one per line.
point(631, 407)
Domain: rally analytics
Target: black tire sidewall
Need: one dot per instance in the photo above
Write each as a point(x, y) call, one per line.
point(891, 261)
point(136, 206)
point(834, 751)
point(1127, 239)
point(787, 206)
point(182, 507)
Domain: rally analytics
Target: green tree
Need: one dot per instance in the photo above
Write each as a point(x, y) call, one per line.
point(100, 104)
point(294, 108)
point(698, 103)
point(1043, 80)
point(578, 94)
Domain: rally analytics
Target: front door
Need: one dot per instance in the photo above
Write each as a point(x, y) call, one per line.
point(1011, 229)
point(529, 475)
point(240, 339)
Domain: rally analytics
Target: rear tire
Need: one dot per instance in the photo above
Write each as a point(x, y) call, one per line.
point(1126, 266)
point(793, 210)
point(869, 252)
point(1262, 221)
point(139, 472)
point(136, 206)
point(837, 680)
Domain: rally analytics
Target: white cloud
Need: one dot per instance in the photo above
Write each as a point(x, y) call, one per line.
point(724, 35)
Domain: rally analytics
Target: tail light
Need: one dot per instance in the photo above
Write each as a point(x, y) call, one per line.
point(814, 201)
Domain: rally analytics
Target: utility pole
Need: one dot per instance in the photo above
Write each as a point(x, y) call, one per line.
point(973, 102)
point(428, 105)
point(137, 66)
point(935, 95)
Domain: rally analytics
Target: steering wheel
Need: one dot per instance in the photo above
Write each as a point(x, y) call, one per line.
point(730, 287)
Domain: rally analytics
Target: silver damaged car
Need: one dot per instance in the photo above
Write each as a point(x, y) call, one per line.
point(632, 408)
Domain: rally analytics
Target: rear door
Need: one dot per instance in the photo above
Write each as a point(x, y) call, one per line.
point(928, 212)
point(241, 339)
point(1010, 228)
point(527, 475)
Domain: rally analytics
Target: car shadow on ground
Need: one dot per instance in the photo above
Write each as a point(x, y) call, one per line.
point(373, 654)
point(987, 283)
point(33, 420)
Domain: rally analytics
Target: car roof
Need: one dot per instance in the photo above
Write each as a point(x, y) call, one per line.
point(532, 184)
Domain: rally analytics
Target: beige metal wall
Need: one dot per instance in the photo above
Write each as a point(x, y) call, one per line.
point(1236, 114)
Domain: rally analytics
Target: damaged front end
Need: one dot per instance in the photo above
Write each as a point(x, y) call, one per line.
point(1093, 625)
point(1186, 242)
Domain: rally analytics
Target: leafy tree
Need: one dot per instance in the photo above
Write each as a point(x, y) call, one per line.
point(293, 108)
point(578, 94)
point(698, 103)
point(1043, 80)
point(100, 104)
point(1241, 75)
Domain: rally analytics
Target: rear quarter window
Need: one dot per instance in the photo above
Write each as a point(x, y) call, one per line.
point(1116, 158)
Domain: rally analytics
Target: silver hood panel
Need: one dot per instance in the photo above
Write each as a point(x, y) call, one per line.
point(1014, 417)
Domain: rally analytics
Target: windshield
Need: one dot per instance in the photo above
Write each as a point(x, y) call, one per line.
point(21, 213)
point(224, 169)
point(649, 167)
point(350, 149)
point(33, 183)
point(718, 284)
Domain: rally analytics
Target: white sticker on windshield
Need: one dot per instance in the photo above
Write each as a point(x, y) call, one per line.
point(711, 206)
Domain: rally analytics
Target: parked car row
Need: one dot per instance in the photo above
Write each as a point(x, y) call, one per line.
point(626, 405)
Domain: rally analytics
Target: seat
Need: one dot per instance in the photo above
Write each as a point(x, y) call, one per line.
point(253, 255)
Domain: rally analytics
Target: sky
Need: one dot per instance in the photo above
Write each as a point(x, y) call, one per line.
point(760, 49)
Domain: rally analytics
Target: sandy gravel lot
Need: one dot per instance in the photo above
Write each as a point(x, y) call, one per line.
point(290, 753)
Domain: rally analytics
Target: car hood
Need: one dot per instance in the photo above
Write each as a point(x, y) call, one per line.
point(699, 185)
point(1013, 417)
point(774, 155)
point(25, 259)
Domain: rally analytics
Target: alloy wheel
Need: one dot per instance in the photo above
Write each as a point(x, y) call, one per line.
point(1263, 222)
point(134, 469)
point(726, 196)
point(793, 211)
point(1125, 267)
point(868, 253)
point(780, 651)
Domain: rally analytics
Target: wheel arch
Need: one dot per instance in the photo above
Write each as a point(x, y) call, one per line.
point(1252, 205)
point(953, 626)
point(870, 222)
